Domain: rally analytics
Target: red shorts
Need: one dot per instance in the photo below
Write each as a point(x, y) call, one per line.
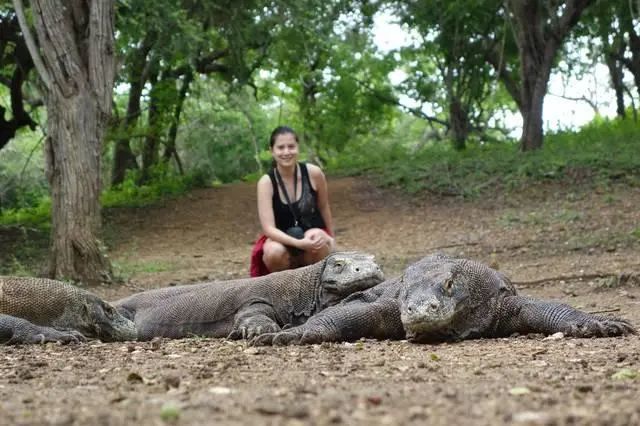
point(258, 268)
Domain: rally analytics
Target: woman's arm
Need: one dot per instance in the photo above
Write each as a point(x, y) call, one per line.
point(319, 183)
point(267, 218)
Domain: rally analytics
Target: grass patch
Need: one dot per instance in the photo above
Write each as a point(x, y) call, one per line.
point(127, 269)
point(38, 216)
point(24, 251)
point(600, 154)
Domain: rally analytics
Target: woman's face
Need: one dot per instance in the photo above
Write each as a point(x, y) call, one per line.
point(285, 150)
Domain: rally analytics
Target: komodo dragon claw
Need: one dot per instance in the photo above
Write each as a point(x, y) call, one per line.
point(41, 335)
point(281, 338)
point(602, 327)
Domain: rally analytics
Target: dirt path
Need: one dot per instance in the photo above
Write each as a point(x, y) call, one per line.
point(544, 233)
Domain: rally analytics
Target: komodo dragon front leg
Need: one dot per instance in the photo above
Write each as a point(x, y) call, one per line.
point(15, 331)
point(527, 315)
point(377, 320)
point(371, 313)
point(253, 320)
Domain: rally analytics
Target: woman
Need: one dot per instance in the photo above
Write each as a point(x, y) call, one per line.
point(291, 195)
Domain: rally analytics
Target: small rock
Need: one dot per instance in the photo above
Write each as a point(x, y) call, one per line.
point(584, 388)
point(519, 390)
point(555, 336)
point(531, 417)
point(374, 400)
point(171, 382)
point(297, 412)
point(134, 378)
point(269, 409)
point(220, 390)
point(25, 374)
point(155, 343)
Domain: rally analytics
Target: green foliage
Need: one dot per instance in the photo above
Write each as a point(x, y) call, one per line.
point(37, 216)
point(600, 154)
point(225, 136)
point(162, 184)
point(22, 179)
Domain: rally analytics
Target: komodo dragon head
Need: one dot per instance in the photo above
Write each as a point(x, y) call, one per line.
point(443, 297)
point(99, 319)
point(57, 304)
point(347, 272)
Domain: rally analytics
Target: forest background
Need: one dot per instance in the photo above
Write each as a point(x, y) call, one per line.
point(198, 86)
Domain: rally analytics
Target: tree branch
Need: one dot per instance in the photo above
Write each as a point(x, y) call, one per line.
point(31, 45)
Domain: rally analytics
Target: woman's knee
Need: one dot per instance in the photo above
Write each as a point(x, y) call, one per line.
point(317, 255)
point(275, 256)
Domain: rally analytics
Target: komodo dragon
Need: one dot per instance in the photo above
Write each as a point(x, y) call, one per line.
point(247, 307)
point(441, 298)
point(36, 310)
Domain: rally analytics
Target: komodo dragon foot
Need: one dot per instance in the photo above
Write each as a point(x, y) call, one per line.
point(600, 327)
point(300, 335)
point(16, 331)
point(251, 329)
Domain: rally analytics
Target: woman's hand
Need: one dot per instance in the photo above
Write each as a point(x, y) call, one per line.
point(315, 239)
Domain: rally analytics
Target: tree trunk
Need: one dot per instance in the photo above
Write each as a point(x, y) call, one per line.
point(532, 108)
point(539, 29)
point(616, 73)
point(123, 157)
point(151, 144)
point(76, 64)
point(633, 63)
point(170, 147)
point(459, 120)
point(72, 161)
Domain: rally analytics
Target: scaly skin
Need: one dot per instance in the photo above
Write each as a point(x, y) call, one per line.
point(52, 310)
point(441, 299)
point(34, 310)
point(248, 307)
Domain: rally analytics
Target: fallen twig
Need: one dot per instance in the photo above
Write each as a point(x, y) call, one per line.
point(605, 311)
point(564, 278)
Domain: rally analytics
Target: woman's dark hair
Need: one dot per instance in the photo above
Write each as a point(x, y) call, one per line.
point(281, 130)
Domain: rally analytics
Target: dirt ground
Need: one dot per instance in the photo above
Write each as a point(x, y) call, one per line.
point(577, 246)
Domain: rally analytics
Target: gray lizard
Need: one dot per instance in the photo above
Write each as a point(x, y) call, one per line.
point(38, 310)
point(247, 307)
point(441, 298)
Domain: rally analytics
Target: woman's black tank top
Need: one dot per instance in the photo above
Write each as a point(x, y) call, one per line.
point(306, 207)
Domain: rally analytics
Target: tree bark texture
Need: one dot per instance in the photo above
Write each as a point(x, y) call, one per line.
point(539, 33)
point(123, 157)
point(459, 119)
point(633, 63)
point(76, 43)
point(616, 73)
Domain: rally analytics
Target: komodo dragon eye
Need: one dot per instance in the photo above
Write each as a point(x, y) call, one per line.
point(338, 266)
point(448, 285)
point(108, 311)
